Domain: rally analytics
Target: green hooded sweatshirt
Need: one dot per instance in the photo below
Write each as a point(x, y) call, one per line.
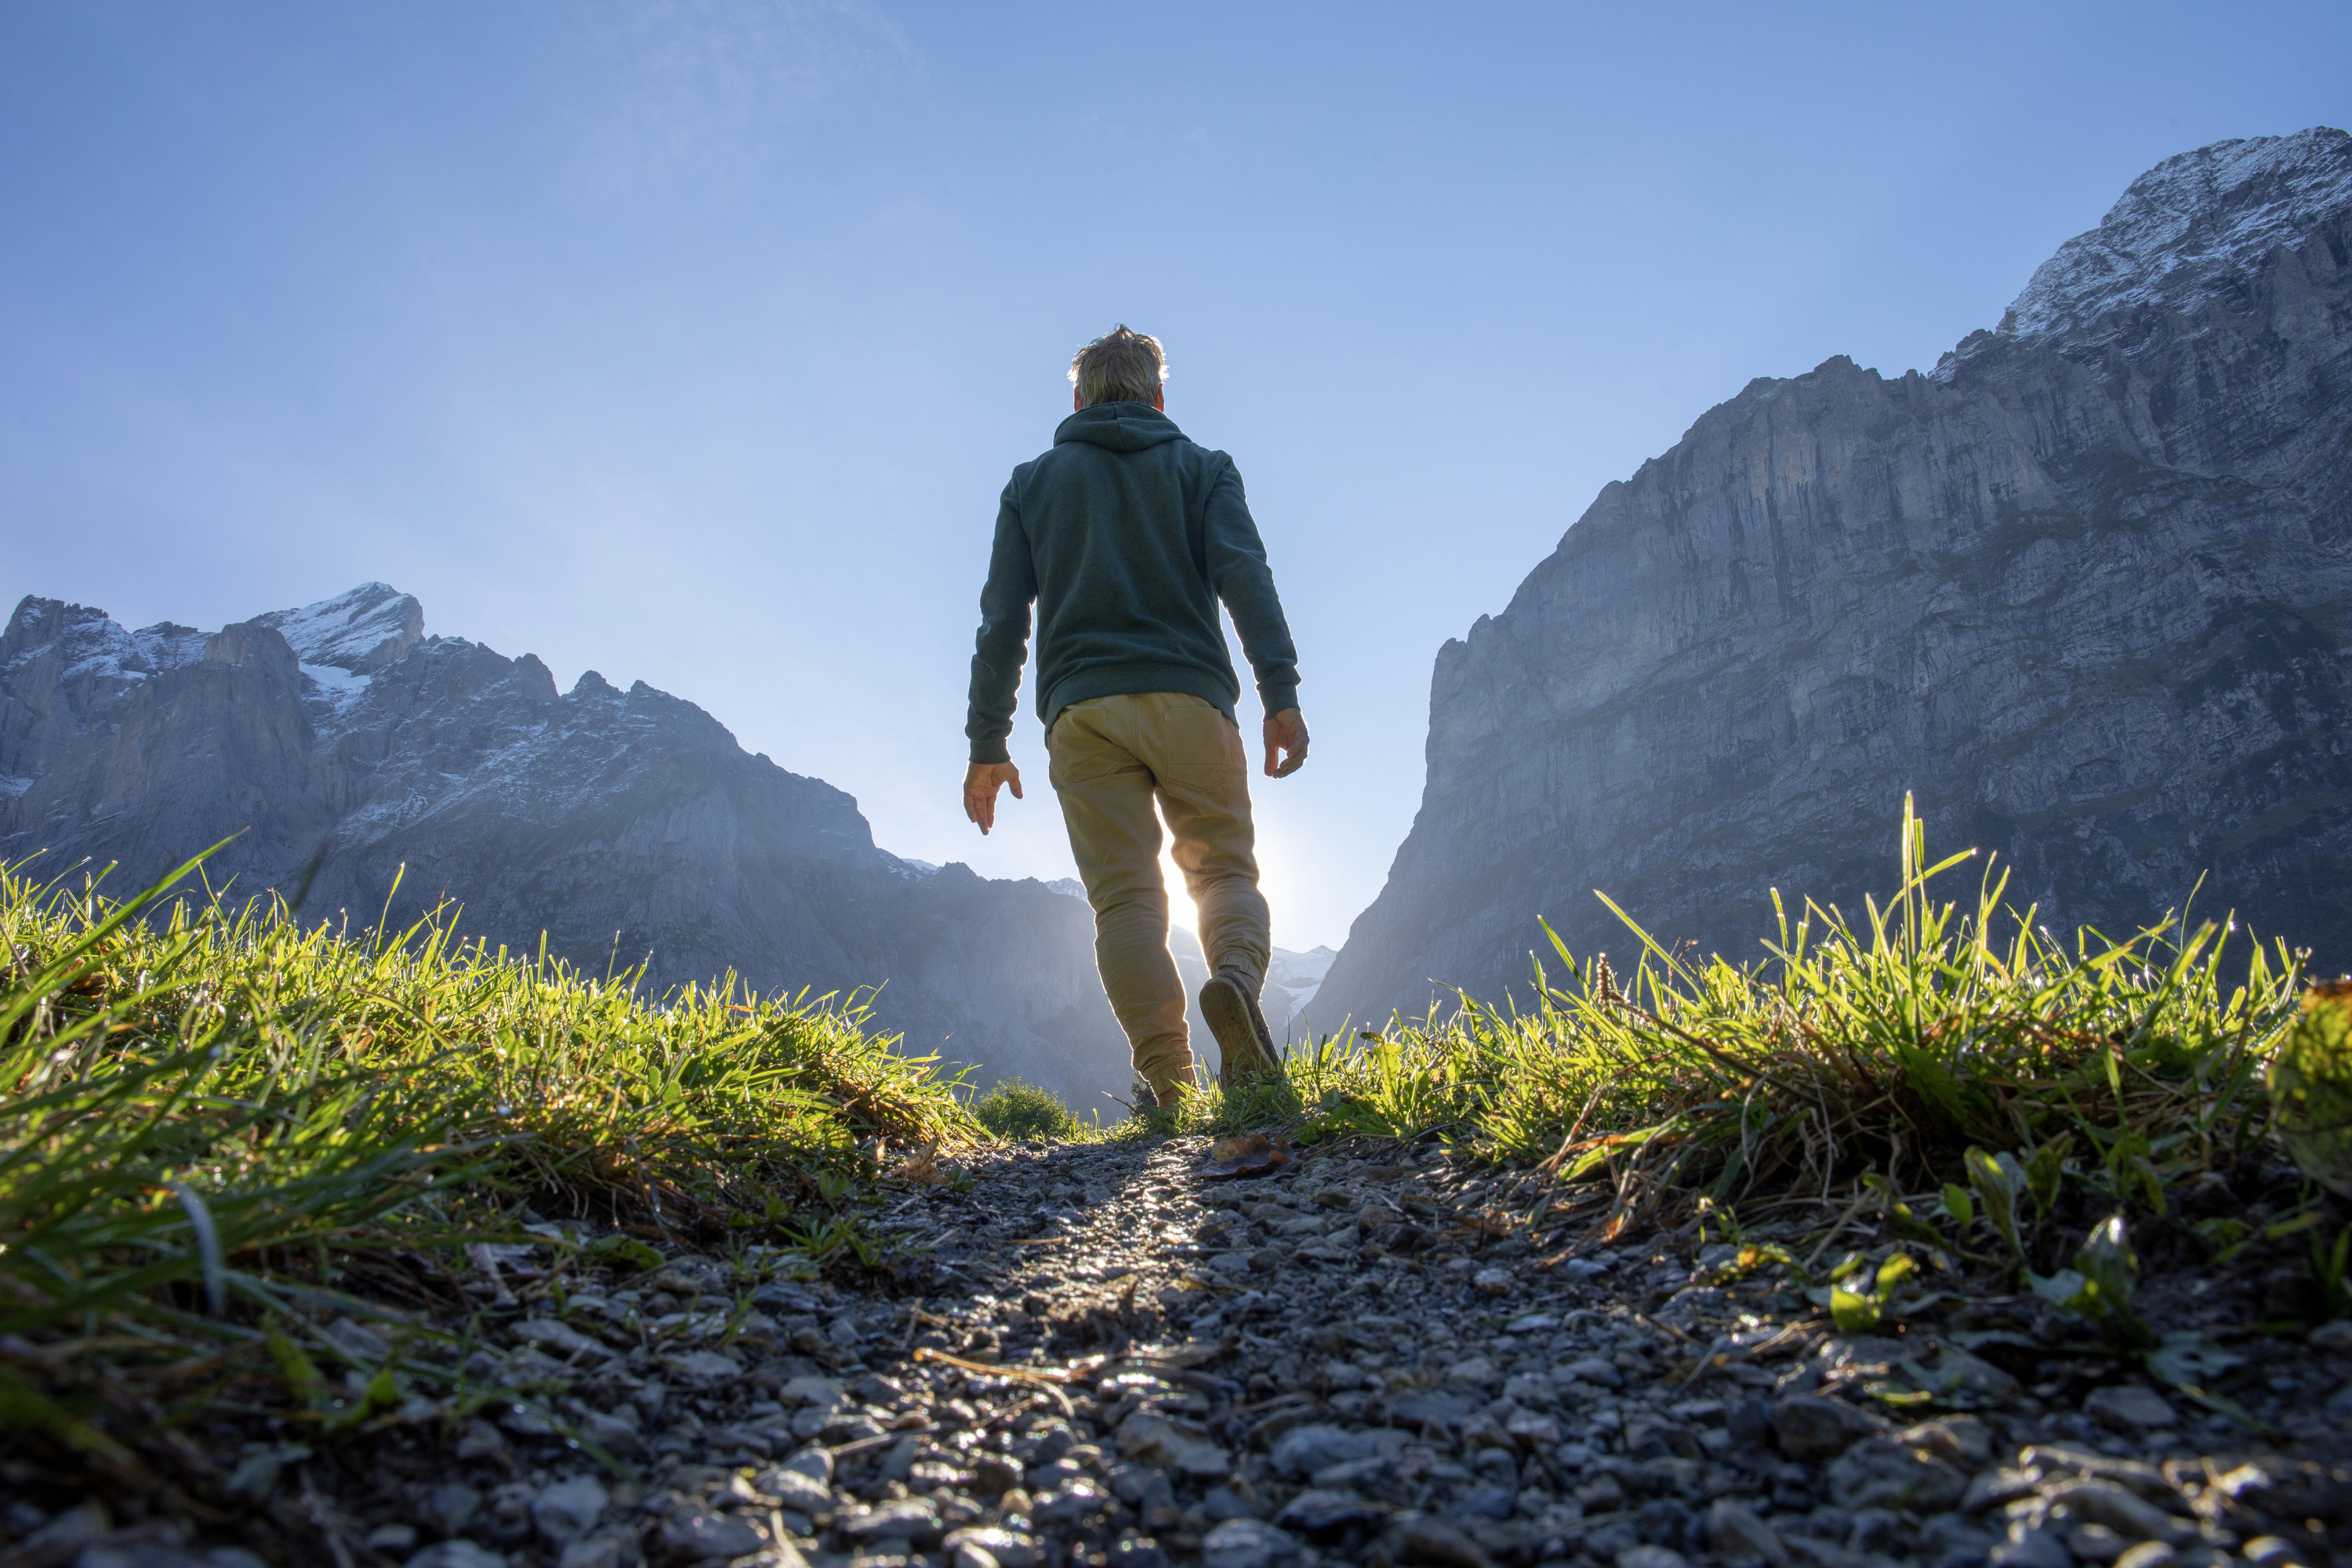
point(1125, 536)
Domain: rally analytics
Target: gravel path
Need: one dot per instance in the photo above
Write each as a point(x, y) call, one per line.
point(1106, 1359)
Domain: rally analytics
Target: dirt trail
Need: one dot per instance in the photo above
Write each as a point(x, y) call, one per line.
point(1361, 1359)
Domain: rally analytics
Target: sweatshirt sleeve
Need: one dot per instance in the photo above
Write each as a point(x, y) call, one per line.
point(1238, 571)
point(1002, 644)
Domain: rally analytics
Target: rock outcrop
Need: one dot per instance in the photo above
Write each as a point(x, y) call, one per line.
point(2085, 588)
point(348, 750)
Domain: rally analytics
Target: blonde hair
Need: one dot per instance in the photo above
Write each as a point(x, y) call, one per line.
point(1119, 366)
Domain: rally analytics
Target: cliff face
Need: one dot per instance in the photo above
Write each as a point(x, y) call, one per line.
point(345, 745)
point(2085, 588)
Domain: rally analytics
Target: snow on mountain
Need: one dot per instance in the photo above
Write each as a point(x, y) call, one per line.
point(2187, 232)
point(359, 631)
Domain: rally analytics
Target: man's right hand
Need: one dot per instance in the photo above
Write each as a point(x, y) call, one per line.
point(981, 781)
point(1285, 732)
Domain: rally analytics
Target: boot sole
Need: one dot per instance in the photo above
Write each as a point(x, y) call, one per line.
point(1242, 1055)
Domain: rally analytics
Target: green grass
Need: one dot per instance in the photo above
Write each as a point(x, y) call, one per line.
point(1886, 1047)
point(209, 1118)
point(1015, 1111)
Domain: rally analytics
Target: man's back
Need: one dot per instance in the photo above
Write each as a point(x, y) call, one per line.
point(1131, 534)
point(1125, 536)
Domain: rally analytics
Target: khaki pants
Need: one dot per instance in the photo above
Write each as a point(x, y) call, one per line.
point(1112, 758)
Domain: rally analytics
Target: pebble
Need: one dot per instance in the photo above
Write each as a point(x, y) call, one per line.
point(1810, 1427)
point(569, 1509)
point(456, 1553)
point(2130, 1409)
point(1246, 1544)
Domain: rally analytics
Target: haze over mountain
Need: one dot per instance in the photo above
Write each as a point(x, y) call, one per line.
point(2085, 588)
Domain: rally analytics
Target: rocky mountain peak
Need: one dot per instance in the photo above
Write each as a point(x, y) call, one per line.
point(2187, 231)
point(2085, 594)
point(360, 630)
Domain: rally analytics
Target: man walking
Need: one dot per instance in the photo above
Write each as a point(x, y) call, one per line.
point(1125, 536)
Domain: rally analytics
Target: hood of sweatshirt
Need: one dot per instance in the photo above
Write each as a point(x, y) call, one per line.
point(1118, 426)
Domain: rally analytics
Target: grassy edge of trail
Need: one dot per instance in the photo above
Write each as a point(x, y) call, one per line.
point(1965, 1087)
point(220, 1127)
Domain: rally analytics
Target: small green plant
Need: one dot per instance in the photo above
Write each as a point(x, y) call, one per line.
point(2310, 1083)
point(1860, 1297)
point(2099, 1288)
point(1015, 1111)
point(2331, 1270)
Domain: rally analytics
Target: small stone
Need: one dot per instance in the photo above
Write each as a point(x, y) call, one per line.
point(992, 1475)
point(1594, 1370)
point(1949, 1541)
point(901, 1519)
point(448, 1508)
point(1874, 1529)
point(568, 1509)
point(1246, 1543)
point(1154, 1440)
point(697, 1533)
point(1304, 1450)
point(608, 1550)
point(1068, 1503)
point(1487, 1502)
point(1964, 1440)
point(1008, 1548)
point(1138, 1551)
point(1439, 1544)
point(457, 1554)
point(2028, 1547)
point(2334, 1337)
point(2130, 1409)
point(613, 1434)
point(1651, 1557)
point(561, 1337)
point(2096, 1543)
point(1477, 1372)
point(1493, 1281)
point(2269, 1551)
point(1736, 1532)
point(1612, 1535)
point(2105, 1502)
point(2001, 1484)
point(129, 1554)
point(480, 1440)
point(2148, 1555)
point(795, 1489)
point(703, 1369)
point(1969, 1373)
point(1319, 1511)
point(1878, 1473)
point(1811, 1428)
point(824, 1393)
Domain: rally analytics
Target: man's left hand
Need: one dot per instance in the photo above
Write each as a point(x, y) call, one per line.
point(1285, 732)
point(981, 781)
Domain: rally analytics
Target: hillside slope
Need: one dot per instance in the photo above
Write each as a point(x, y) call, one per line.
point(348, 749)
point(2086, 588)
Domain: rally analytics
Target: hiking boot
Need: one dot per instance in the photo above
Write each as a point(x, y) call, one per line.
point(1169, 1097)
point(1229, 1002)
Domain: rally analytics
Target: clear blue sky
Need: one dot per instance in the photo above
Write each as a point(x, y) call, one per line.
point(692, 342)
